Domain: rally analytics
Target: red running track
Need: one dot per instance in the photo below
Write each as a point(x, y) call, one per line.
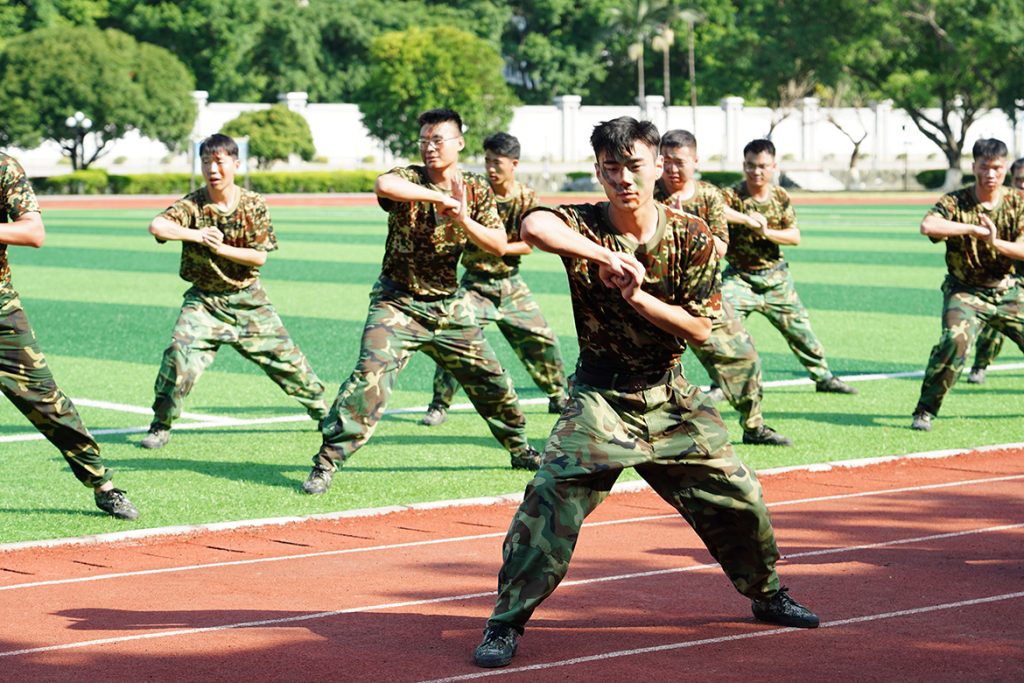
point(914, 566)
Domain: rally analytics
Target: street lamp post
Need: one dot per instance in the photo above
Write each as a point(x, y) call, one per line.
point(691, 17)
point(80, 124)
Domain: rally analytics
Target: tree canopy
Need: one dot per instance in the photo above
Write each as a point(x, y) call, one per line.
point(419, 69)
point(274, 134)
point(49, 74)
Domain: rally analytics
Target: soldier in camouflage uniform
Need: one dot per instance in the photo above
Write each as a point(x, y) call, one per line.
point(644, 281)
point(757, 277)
point(499, 294)
point(983, 228)
point(434, 211)
point(226, 233)
point(25, 378)
point(990, 341)
point(728, 356)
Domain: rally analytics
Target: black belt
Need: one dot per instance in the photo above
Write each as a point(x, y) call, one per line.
point(392, 287)
point(486, 277)
point(627, 382)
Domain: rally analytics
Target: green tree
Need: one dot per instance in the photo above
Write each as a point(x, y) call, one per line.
point(555, 47)
point(120, 85)
point(945, 62)
point(274, 134)
point(419, 69)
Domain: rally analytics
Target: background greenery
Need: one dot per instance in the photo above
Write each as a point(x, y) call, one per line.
point(103, 297)
point(946, 62)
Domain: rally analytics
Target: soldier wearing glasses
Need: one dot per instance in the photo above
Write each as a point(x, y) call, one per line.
point(434, 211)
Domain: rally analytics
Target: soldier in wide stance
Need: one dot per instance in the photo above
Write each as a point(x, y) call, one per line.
point(983, 228)
point(434, 211)
point(644, 282)
point(226, 234)
point(728, 355)
point(25, 377)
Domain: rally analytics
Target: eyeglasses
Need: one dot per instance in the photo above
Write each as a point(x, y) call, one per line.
point(436, 143)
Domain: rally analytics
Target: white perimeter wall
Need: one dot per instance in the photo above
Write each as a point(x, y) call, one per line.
point(556, 137)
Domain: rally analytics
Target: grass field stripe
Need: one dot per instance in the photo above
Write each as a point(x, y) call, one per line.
point(668, 647)
point(415, 544)
point(137, 410)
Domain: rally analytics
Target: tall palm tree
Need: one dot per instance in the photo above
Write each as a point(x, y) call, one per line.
point(640, 20)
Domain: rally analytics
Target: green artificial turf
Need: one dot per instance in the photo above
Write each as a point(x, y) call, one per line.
point(103, 297)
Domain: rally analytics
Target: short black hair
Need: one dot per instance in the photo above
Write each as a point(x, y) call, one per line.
point(435, 116)
point(677, 138)
point(989, 148)
point(218, 142)
point(502, 144)
point(1016, 166)
point(758, 146)
point(618, 136)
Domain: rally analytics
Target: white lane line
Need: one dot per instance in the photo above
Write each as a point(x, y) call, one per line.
point(213, 421)
point(453, 598)
point(604, 656)
point(208, 421)
point(426, 542)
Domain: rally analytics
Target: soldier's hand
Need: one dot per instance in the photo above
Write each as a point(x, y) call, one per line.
point(987, 230)
point(620, 265)
point(213, 238)
point(454, 207)
point(758, 223)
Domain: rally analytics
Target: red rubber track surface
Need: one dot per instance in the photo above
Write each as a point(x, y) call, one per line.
point(49, 202)
point(915, 567)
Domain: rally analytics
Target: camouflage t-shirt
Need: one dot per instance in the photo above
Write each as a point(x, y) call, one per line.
point(749, 251)
point(682, 269)
point(246, 225)
point(423, 249)
point(511, 208)
point(706, 203)
point(972, 260)
point(16, 199)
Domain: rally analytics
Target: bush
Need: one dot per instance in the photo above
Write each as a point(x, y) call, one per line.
point(313, 181)
point(89, 181)
point(151, 183)
point(721, 178)
point(97, 181)
point(934, 178)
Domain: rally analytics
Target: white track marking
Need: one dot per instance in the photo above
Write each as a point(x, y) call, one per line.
point(473, 596)
point(604, 656)
point(442, 541)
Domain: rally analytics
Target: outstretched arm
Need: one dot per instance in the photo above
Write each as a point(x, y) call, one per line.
point(546, 231)
point(940, 228)
point(24, 231)
point(1014, 250)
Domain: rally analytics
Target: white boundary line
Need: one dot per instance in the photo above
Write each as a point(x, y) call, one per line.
point(471, 596)
point(477, 537)
point(207, 421)
point(624, 487)
point(604, 656)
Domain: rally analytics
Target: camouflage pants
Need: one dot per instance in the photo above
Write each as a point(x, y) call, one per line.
point(964, 310)
point(509, 303)
point(732, 363)
point(26, 380)
point(774, 296)
point(676, 441)
point(397, 326)
point(247, 321)
point(987, 347)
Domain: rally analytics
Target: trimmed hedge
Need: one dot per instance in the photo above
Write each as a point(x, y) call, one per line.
point(98, 181)
point(934, 178)
point(721, 178)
